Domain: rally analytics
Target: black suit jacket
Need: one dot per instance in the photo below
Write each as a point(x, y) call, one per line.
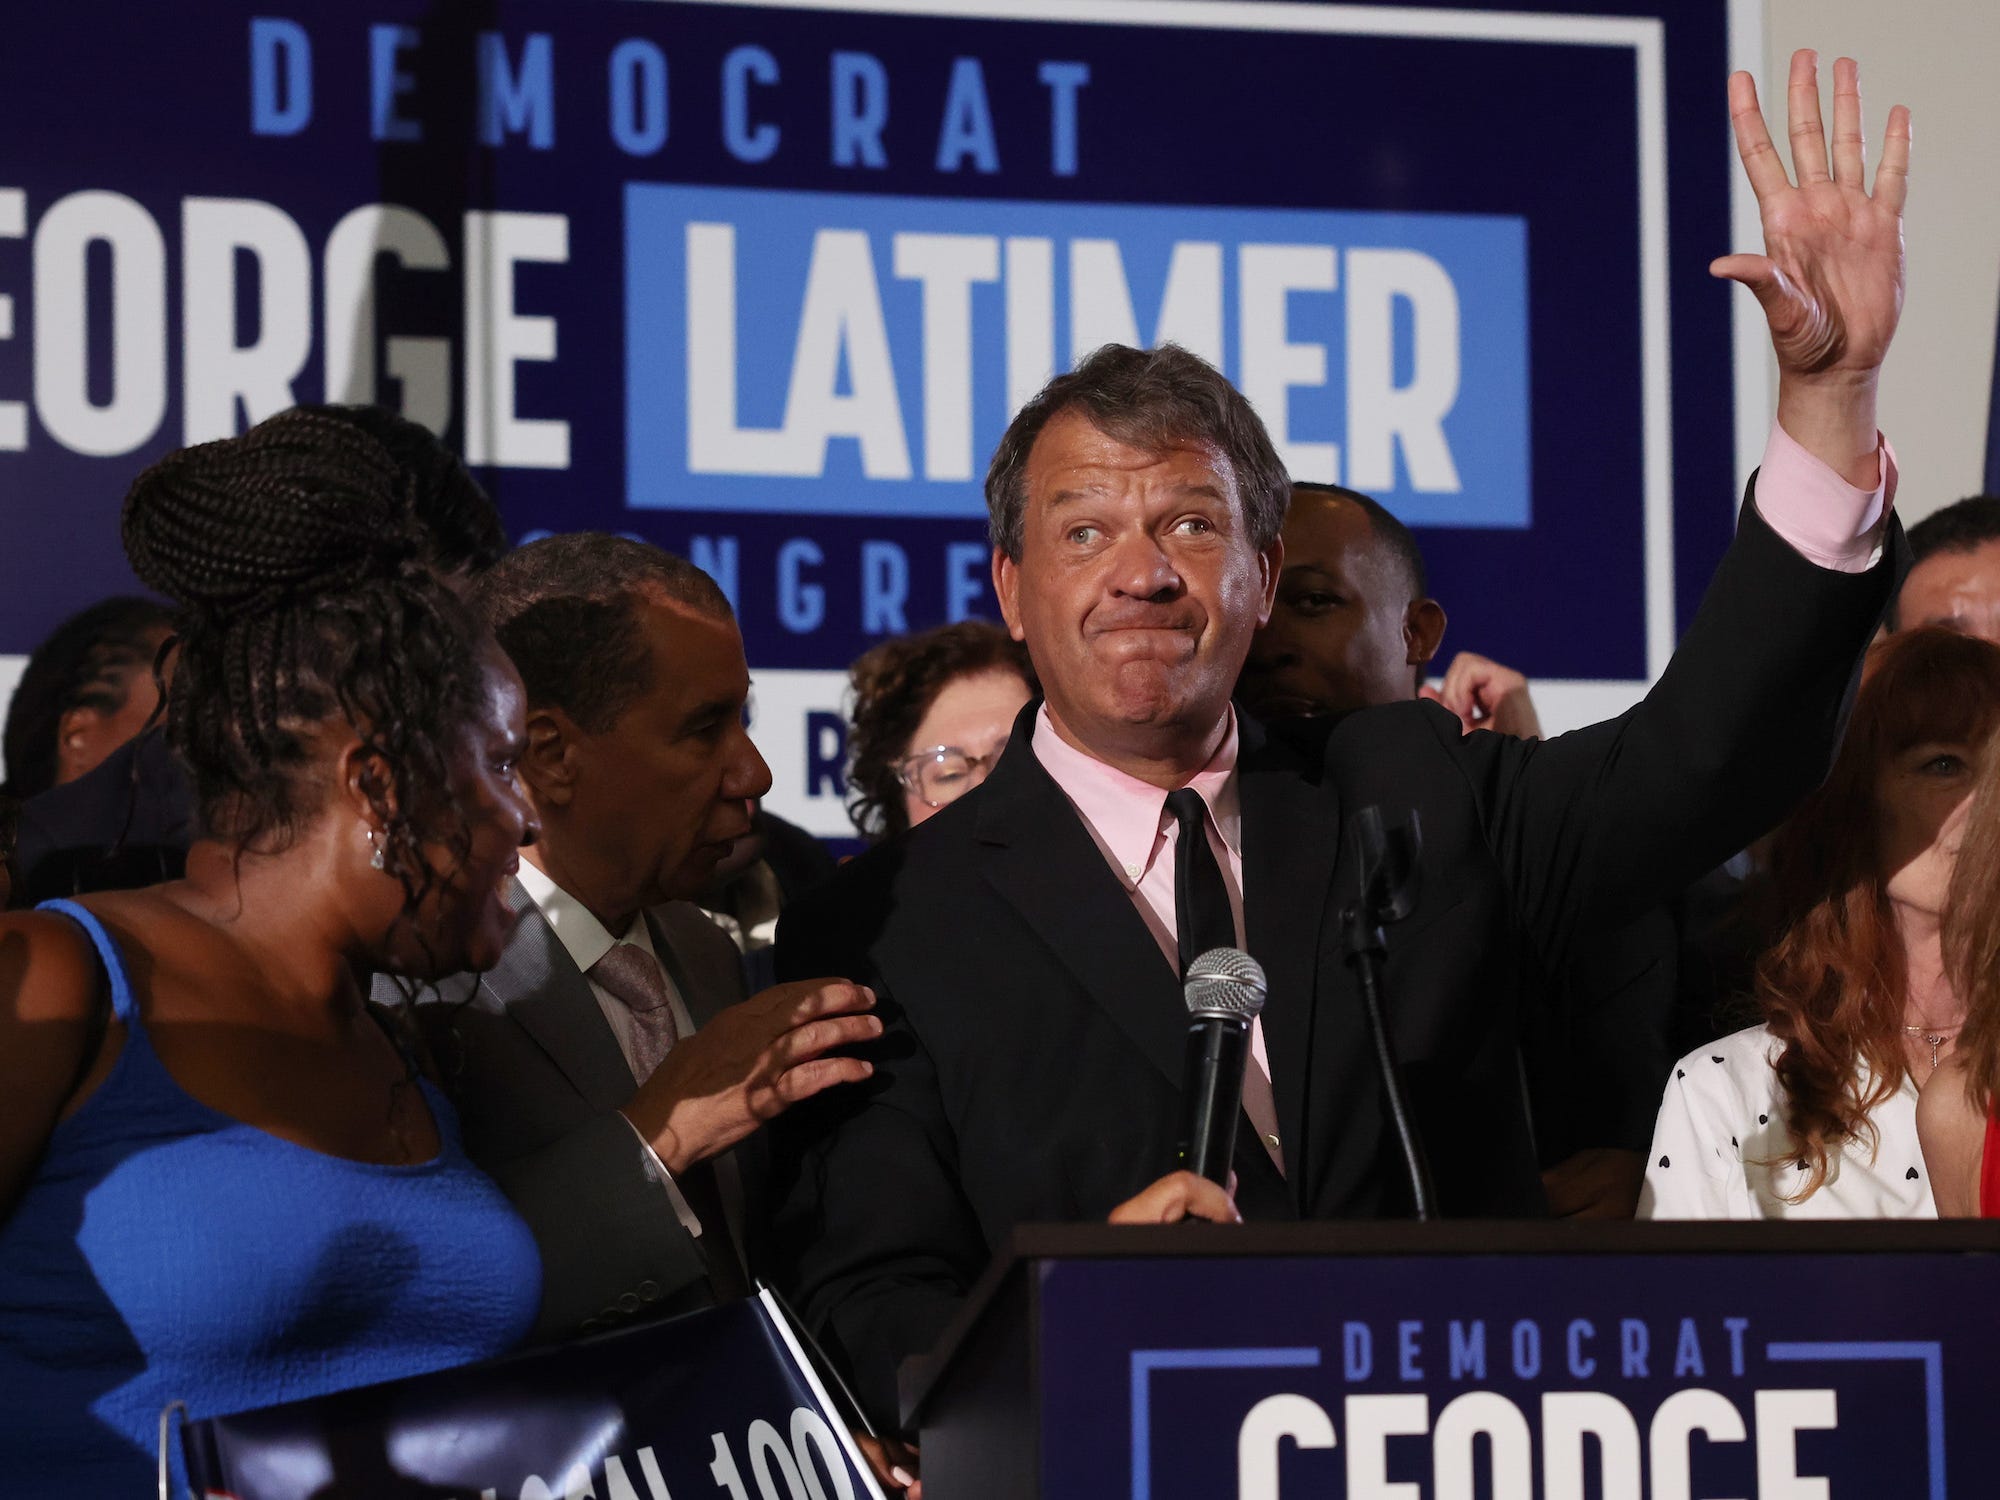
point(538, 1080)
point(1031, 1066)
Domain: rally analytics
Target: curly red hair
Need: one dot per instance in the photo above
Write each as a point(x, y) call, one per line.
point(1831, 987)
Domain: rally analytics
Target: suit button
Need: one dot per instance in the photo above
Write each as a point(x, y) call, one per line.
point(612, 1317)
point(629, 1302)
point(650, 1290)
point(591, 1325)
point(1271, 1141)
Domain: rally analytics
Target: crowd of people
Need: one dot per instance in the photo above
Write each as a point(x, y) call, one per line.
point(405, 902)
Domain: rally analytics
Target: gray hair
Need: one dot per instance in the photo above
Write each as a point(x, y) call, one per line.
point(1152, 399)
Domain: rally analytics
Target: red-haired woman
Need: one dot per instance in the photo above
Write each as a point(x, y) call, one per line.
point(1956, 1116)
point(1812, 1113)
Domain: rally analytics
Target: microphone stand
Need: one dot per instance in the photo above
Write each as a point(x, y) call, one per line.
point(1387, 893)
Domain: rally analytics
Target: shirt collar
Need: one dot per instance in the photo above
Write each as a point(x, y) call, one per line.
point(1127, 814)
point(584, 938)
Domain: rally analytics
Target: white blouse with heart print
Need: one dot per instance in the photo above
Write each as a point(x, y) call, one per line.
point(1720, 1146)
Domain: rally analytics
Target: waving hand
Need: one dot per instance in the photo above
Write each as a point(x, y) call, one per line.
point(1830, 280)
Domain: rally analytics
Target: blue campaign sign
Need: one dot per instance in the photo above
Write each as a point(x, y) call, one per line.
point(1799, 1376)
point(890, 340)
point(763, 282)
point(719, 1403)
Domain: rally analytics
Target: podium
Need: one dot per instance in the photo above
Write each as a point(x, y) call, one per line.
point(1459, 1361)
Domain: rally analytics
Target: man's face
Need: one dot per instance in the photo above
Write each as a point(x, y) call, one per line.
point(1137, 589)
point(660, 796)
point(1957, 589)
point(1337, 636)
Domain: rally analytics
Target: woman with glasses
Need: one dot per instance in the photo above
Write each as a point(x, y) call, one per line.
point(931, 715)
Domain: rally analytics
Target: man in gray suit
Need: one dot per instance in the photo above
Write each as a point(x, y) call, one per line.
point(608, 1071)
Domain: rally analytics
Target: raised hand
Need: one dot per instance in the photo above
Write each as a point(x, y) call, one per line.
point(1830, 280)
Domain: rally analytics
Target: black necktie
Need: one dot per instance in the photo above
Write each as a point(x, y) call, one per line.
point(1201, 900)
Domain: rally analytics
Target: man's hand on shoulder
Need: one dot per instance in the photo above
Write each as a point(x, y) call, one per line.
point(1486, 695)
point(751, 1063)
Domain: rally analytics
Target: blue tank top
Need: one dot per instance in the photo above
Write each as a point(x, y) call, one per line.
point(166, 1252)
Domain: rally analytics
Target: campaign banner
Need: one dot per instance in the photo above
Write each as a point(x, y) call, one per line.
point(763, 282)
point(720, 1402)
point(1821, 1376)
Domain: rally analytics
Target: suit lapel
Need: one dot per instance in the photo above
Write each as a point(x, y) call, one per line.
point(1291, 839)
point(547, 996)
point(1039, 858)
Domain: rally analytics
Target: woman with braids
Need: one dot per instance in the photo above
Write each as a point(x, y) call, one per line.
point(1813, 1113)
point(931, 715)
point(223, 1178)
point(1958, 1116)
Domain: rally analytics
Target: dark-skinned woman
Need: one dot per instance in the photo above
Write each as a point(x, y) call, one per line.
point(224, 1179)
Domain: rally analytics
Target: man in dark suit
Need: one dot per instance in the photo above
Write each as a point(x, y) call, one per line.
point(1025, 943)
point(1353, 626)
point(607, 1071)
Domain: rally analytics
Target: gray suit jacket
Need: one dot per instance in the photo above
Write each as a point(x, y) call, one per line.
point(537, 1078)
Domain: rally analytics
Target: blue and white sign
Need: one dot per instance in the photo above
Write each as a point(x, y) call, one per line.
point(1783, 1375)
point(888, 341)
point(720, 1403)
point(762, 282)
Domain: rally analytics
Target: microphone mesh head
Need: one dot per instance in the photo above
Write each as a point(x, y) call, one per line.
point(1225, 982)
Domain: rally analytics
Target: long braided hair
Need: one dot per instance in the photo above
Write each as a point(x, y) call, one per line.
point(304, 593)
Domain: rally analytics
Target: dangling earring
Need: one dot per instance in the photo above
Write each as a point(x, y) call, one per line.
point(376, 860)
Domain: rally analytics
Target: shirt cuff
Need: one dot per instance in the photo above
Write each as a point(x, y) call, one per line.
point(681, 1210)
point(1825, 519)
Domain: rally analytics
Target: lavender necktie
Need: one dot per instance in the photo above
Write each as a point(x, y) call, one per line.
point(631, 976)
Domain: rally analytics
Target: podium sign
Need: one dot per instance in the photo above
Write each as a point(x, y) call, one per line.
point(1782, 1362)
point(719, 1403)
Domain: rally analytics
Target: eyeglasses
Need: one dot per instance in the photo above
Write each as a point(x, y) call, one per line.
point(944, 773)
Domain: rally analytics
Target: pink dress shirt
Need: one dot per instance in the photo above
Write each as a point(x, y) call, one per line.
point(1817, 512)
point(1825, 519)
point(1129, 821)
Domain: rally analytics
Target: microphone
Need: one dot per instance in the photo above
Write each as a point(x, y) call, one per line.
point(1224, 991)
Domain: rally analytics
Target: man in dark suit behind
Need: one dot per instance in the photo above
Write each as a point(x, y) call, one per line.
point(1354, 626)
point(607, 1071)
point(1024, 944)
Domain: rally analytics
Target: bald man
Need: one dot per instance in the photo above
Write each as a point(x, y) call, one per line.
point(1354, 625)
